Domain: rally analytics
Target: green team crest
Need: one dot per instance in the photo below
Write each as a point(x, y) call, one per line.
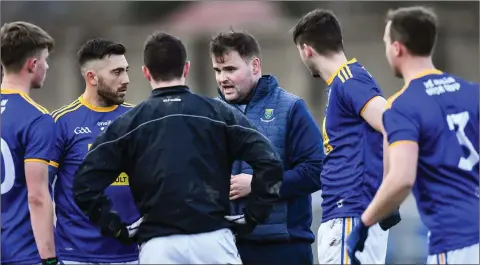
point(268, 114)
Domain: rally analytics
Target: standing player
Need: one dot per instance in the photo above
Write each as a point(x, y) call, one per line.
point(352, 139)
point(432, 127)
point(27, 130)
point(104, 68)
point(179, 148)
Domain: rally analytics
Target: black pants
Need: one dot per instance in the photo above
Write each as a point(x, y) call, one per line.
point(292, 253)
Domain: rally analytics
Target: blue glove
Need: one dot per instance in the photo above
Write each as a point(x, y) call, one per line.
point(391, 221)
point(356, 241)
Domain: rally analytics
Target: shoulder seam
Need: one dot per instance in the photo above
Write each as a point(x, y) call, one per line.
point(286, 93)
point(55, 112)
point(39, 107)
point(67, 110)
point(395, 96)
point(344, 73)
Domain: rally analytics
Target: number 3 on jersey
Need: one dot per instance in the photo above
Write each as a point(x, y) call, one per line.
point(8, 167)
point(461, 120)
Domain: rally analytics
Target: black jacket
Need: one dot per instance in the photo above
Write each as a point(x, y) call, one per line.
point(177, 149)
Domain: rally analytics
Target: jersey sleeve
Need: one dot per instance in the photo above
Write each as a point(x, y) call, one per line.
point(58, 145)
point(358, 92)
point(401, 124)
point(38, 140)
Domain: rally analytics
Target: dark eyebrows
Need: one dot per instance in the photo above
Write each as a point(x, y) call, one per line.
point(120, 69)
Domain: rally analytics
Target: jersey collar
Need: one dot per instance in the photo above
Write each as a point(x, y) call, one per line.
point(95, 108)
point(422, 74)
point(162, 91)
point(330, 80)
point(12, 91)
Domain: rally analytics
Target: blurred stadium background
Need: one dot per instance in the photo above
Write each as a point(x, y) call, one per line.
point(129, 22)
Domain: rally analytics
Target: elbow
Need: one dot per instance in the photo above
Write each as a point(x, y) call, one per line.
point(408, 184)
point(315, 174)
point(79, 201)
point(405, 184)
point(39, 198)
point(280, 171)
point(275, 166)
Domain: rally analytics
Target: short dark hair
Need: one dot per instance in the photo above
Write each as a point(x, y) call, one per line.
point(321, 30)
point(415, 27)
point(165, 56)
point(20, 40)
point(242, 42)
point(97, 49)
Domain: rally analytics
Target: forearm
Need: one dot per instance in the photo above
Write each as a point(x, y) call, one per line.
point(389, 197)
point(89, 186)
point(93, 204)
point(265, 186)
point(302, 180)
point(41, 214)
point(385, 161)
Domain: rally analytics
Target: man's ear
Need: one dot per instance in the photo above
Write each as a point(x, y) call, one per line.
point(186, 69)
point(91, 78)
point(398, 48)
point(31, 64)
point(146, 73)
point(307, 50)
point(256, 65)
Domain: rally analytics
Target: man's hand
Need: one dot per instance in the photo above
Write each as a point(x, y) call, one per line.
point(391, 221)
point(356, 241)
point(242, 224)
point(112, 226)
point(133, 228)
point(240, 186)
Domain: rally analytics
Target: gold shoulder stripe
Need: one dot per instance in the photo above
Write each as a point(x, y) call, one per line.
point(65, 108)
point(339, 75)
point(55, 112)
point(391, 99)
point(344, 74)
point(60, 114)
point(33, 103)
point(349, 73)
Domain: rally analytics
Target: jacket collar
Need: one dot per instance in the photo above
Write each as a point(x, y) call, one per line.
point(265, 84)
point(163, 91)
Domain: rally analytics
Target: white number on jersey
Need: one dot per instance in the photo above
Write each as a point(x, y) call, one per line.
point(461, 120)
point(9, 167)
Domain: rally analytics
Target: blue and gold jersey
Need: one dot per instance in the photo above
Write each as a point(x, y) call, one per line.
point(353, 166)
point(27, 135)
point(439, 111)
point(77, 239)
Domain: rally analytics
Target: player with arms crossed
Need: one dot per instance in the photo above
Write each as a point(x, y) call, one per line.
point(352, 139)
point(27, 138)
point(104, 68)
point(432, 126)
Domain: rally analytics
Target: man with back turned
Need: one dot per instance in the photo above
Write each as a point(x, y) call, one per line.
point(178, 149)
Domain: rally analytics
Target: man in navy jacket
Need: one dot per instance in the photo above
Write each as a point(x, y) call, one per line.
point(283, 118)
